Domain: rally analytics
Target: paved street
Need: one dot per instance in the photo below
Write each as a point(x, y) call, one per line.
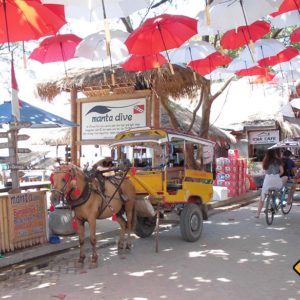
point(238, 257)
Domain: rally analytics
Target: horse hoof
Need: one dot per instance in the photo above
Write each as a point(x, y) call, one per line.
point(94, 259)
point(128, 246)
point(81, 260)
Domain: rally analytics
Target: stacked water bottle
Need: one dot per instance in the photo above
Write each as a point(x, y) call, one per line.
point(231, 173)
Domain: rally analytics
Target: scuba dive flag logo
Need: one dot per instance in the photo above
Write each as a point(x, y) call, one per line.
point(138, 109)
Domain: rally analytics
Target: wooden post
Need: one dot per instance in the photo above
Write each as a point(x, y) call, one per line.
point(74, 158)
point(155, 111)
point(13, 159)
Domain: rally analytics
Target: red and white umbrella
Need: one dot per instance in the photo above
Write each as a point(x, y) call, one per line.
point(253, 71)
point(144, 62)
point(243, 35)
point(226, 15)
point(203, 28)
point(288, 5)
point(191, 51)
point(219, 74)
point(295, 36)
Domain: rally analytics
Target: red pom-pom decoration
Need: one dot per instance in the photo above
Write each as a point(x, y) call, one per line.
point(76, 192)
point(52, 208)
point(114, 217)
point(74, 224)
point(133, 171)
point(66, 177)
point(51, 178)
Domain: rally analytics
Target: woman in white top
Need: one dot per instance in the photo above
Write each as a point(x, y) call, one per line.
point(273, 167)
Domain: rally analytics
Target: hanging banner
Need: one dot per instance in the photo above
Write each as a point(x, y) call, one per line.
point(264, 137)
point(104, 120)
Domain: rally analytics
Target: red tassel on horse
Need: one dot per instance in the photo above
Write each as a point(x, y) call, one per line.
point(114, 217)
point(133, 171)
point(52, 208)
point(74, 224)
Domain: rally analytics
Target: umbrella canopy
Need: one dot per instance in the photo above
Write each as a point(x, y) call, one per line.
point(210, 63)
point(38, 118)
point(22, 20)
point(262, 49)
point(144, 62)
point(98, 10)
point(93, 46)
point(56, 48)
point(161, 33)
point(191, 51)
point(226, 15)
point(220, 74)
point(287, 5)
point(283, 56)
point(257, 70)
point(290, 18)
point(243, 35)
point(203, 28)
point(295, 36)
point(293, 64)
point(240, 64)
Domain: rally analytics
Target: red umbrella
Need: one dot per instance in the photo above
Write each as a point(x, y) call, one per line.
point(295, 36)
point(23, 20)
point(210, 63)
point(261, 79)
point(256, 70)
point(56, 48)
point(287, 5)
point(144, 62)
point(161, 33)
point(283, 56)
point(243, 35)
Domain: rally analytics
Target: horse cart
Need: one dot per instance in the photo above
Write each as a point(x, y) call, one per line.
point(172, 173)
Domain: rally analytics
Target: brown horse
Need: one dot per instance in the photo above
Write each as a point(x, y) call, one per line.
point(93, 200)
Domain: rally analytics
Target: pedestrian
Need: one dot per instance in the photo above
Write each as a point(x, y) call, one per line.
point(273, 167)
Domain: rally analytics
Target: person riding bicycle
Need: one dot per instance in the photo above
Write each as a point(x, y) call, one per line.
point(273, 166)
point(290, 173)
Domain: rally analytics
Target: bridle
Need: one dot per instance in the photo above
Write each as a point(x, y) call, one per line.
point(62, 192)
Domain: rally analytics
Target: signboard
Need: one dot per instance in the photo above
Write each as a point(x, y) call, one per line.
point(4, 145)
point(23, 150)
point(17, 167)
point(20, 125)
point(23, 137)
point(27, 215)
point(264, 137)
point(103, 120)
point(3, 135)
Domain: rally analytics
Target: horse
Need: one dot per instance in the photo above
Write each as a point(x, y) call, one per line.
point(94, 197)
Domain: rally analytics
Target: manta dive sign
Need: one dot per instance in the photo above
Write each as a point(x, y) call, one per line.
point(103, 120)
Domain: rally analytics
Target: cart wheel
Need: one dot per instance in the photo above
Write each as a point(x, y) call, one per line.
point(191, 222)
point(144, 226)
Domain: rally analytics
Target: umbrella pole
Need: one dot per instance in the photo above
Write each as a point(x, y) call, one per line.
point(194, 73)
point(169, 61)
point(63, 58)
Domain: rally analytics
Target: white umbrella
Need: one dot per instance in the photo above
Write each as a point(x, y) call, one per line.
point(202, 27)
point(295, 103)
point(229, 14)
point(191, 51)
point(219, 74)
point(240, 64)
point(100, 9)
point(261, 49)
point(93, 47)
point(293, 64)
point(285, 77)
point(291, 18)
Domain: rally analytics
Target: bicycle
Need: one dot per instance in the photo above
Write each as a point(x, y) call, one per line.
point(275, 199)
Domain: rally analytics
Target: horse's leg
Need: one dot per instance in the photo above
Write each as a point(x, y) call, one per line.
point(81, 240)
point(129, 209)
point(122, 223)
point(92, 224)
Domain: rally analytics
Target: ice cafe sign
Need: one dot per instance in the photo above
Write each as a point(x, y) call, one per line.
point(264, 137)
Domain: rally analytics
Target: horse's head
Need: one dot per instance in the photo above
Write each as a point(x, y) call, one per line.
point(64, 183)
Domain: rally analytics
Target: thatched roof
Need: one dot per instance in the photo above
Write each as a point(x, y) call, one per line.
point(161, 81)
point(184, 117)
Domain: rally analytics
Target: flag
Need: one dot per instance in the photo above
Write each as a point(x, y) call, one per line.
point(15, 107)
point(138, 109)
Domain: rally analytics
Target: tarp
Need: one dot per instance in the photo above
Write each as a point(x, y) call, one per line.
point(38, 118)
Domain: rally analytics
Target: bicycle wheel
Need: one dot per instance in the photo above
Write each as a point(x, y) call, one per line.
point(270, 209)
point(285, 205)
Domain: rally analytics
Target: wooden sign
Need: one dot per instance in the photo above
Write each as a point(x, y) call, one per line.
point(3, 135)
point(23, 150)
point(27, 215)
point(20, 125)
point(22, 137)
point(17, 167)
point(4, 145)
